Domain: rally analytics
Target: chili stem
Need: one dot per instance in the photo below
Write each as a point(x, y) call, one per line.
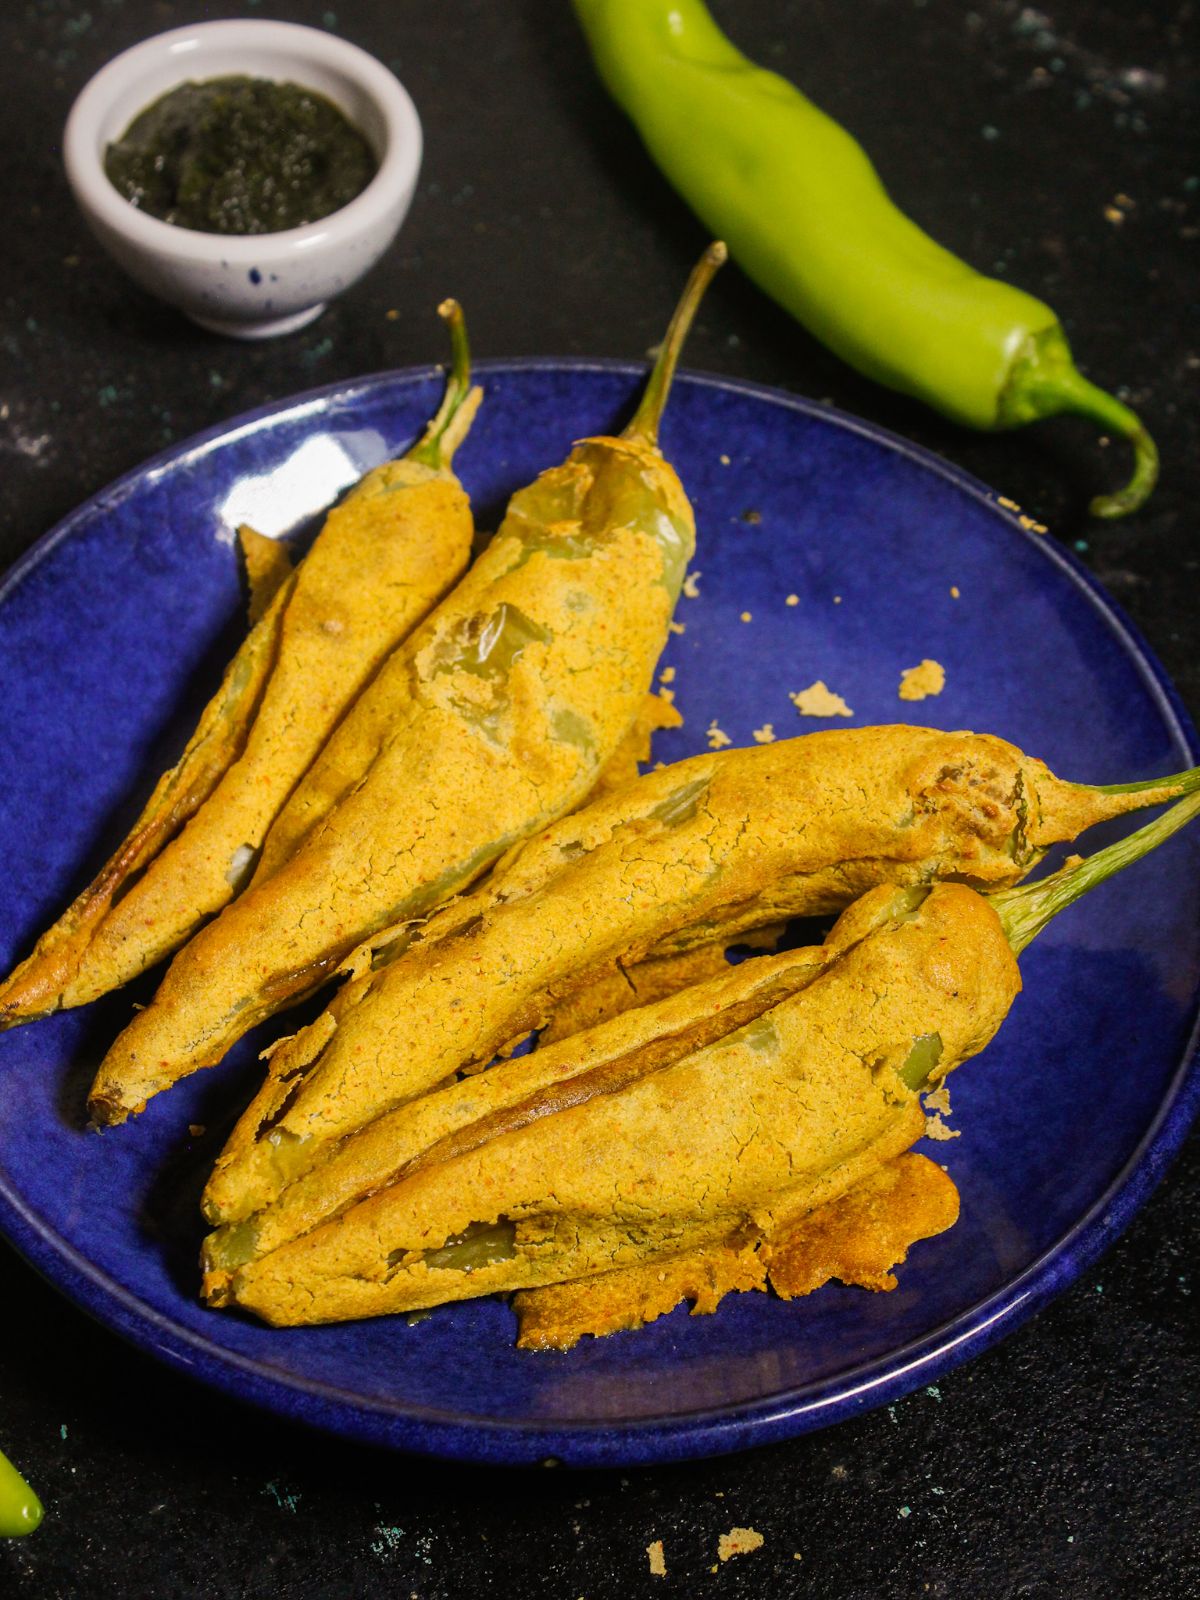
point(1045, 382)
point(1179, 782)
point(1082, 398)
point(1026, 910)
point(648, 415)
point(446, 431)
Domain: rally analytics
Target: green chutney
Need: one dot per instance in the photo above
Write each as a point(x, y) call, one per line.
point(240, 155)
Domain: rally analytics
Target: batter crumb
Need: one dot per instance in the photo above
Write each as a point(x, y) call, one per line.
point(818, 700)
point(746, 616)
point(792, 600)
point(837, 599)
point(1031, 525)
point(935, 1128)
point(667, 675)
point(919, 683)
point(938, 1099)
point(1009, 505)
point(954, 591)
point(717, 740)
point(724, 461)
point(676, 627)
point(738, 1542)
point(668, 695)
point(691, 585)
point(765, 734)
point(658, 1566)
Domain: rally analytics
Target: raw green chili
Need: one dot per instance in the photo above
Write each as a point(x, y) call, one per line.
point(20, 1508)
point(805, 214)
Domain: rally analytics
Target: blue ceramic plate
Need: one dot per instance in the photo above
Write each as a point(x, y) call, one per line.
point(112, 633)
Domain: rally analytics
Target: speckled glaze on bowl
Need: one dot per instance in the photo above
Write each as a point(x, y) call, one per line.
point(113, 630)
point(261, 285)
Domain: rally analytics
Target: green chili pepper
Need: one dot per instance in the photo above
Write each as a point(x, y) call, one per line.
point(805, 214)
point(20, 1508)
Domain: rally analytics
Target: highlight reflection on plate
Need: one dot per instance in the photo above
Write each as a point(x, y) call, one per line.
point(114, 630)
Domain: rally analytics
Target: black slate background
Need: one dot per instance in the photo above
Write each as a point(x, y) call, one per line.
point(1062, 1464)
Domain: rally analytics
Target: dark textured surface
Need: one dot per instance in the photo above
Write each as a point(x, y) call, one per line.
point(1062, 1463)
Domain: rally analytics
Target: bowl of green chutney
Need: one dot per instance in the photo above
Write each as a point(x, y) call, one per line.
point(244, 171)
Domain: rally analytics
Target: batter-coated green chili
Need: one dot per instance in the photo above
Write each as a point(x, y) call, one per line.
point(805, 214)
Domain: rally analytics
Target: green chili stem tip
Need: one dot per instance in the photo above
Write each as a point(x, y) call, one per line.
point(1045, 382)
point(1026, 910)
point(448, 428)
point(20, 1508)
point(1179, 783)
point(649, 413)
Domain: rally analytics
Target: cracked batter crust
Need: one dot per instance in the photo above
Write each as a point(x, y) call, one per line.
point(497, 716)
point(670, 1149)
point(685, 857)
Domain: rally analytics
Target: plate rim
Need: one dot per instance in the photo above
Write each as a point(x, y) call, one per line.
point(601, 1441)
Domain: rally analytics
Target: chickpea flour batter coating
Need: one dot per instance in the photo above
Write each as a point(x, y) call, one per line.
point(726, 1114)
point(385, 555)
point(386, 1147)
point(661, 1156)
point(859, 1239)
point(496, 717)
point(687, 856)
point(268, 565)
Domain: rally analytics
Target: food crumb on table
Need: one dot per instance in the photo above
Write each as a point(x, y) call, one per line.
point(818, 700)
point(667, 675)
point(954, 591)
point(676, 627)
point(747, 616)
point(738, 1542)
point(765, 734)
point(691, 585)
point(792, 600)
point(919, 683)
point(717, 738)
point(658, 1565)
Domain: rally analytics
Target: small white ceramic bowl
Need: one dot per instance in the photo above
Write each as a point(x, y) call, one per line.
point(251, 286)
